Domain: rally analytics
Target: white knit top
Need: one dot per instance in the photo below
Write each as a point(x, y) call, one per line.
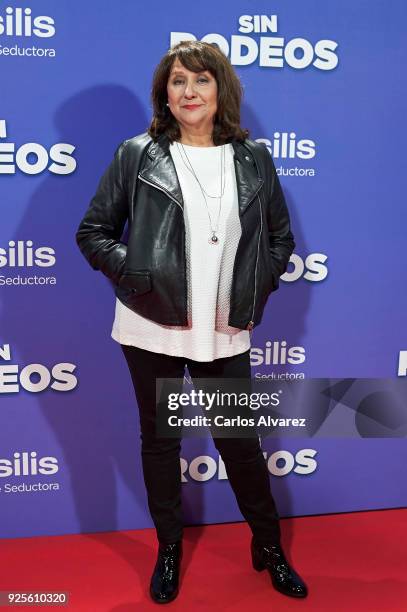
point(209, 267)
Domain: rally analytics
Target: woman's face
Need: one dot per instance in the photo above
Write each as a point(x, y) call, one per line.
point(192, 97)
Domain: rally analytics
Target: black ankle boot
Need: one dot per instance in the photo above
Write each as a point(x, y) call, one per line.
point(283, 577)
point(165, 578)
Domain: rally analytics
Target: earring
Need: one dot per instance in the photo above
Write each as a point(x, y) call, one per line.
point(167, 104)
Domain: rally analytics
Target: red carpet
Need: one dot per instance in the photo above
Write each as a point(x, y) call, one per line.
point(351, 561)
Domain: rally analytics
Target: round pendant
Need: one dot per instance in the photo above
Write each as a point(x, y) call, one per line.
point(213, 239)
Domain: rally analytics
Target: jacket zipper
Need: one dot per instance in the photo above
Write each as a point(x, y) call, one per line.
point(176, 201)
point(161, 189)
point(251, 323)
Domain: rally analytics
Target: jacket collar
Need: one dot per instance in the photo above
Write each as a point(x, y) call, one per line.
point(159, 169)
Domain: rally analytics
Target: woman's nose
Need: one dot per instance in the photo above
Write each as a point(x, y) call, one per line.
point(189, 90)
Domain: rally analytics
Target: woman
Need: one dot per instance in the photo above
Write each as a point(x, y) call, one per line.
point(209, 237)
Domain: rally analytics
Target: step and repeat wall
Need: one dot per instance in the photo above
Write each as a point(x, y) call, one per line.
point(324, 89)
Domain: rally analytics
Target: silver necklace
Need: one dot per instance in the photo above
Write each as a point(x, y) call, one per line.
point(213, 238)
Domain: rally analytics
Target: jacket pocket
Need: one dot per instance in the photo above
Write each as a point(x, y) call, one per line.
point(138, 281)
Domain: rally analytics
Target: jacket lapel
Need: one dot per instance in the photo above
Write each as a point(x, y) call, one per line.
point(248, 182)
point(159, 169)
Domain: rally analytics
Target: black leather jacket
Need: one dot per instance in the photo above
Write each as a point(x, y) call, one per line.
point(141, 186)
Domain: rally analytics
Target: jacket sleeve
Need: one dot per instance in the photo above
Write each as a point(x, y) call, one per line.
point(281, 239)
point(98, 235)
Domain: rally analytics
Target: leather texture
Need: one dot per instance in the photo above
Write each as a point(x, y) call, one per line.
point(164, 584)
point(284, 578)
point(141, 187)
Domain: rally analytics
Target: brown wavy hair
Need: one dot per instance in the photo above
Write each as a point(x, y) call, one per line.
point(198, 56)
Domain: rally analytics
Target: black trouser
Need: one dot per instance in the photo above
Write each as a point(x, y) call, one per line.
point(243, 458)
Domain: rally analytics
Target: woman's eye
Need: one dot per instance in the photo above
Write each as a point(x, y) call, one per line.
point(200, 80)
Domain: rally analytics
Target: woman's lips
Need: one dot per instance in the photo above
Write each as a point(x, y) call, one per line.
point(191, 106)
